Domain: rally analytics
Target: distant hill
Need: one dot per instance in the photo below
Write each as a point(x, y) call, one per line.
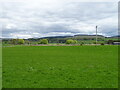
point(117, 36)
point(58, 37)
point(88, 36)
point(72, 37)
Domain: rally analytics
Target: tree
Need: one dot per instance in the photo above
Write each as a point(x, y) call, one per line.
point(27, 42)
point(14, 41)
point(82, 43)
point(70, 41)
point(21, 41)
point(43, 41)
point(75, 41)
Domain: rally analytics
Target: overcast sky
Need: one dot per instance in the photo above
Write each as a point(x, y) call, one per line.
point(41, 18)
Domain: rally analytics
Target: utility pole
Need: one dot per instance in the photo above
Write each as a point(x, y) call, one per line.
point(96, 34)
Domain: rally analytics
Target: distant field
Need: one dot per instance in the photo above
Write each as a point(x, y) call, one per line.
point(60, 67)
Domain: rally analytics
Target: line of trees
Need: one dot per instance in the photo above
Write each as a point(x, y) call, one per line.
point(45, 41)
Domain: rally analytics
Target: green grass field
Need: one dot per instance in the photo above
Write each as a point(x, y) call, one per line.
point(0, 64)
point(60, 67)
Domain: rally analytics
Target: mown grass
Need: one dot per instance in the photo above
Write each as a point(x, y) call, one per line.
point(60, 67)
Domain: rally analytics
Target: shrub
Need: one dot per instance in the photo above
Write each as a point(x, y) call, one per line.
point(43, 41)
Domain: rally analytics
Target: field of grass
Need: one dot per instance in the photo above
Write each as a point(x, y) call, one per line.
point(0, 64)
point(60, 67)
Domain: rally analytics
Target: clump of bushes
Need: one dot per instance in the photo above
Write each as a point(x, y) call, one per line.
point(43, 41)
point(70, 41)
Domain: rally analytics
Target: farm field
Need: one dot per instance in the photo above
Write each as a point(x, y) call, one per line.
point(60, 66)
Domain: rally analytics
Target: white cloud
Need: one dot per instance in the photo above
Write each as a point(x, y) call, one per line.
point(10, 26)
point(52, 17)
point(49, 1)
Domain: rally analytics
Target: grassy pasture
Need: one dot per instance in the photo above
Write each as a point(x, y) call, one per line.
point(60, 67)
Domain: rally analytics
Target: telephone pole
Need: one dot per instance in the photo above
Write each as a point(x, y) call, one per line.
point(96, 34)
